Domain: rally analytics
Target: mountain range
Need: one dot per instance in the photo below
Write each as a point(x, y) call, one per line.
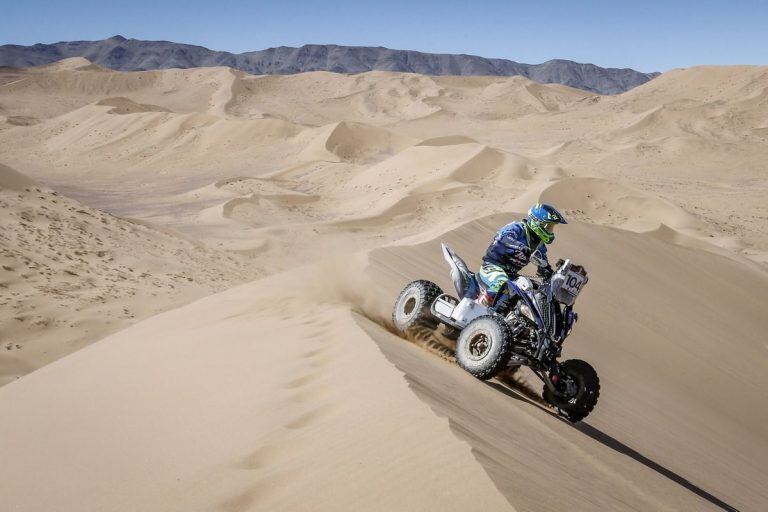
point(123, 54)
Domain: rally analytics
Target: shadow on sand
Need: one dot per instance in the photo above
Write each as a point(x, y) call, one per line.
point(613, 443)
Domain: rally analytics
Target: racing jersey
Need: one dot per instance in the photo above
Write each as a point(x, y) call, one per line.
point(509, 241)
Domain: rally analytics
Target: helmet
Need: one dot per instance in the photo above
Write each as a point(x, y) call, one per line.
point(542, 219)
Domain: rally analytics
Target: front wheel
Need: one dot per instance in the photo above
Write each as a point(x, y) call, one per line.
point(413, 307)
point(578, 390)
point(484, 346)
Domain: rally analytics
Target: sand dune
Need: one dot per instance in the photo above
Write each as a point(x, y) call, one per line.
point(123, 106)
point(70, 64)
point(351, 142)
point(323, 386)
point(320, 98)
point(607, 203)
point(72, 274)
point(328, 384)
point(135, 193)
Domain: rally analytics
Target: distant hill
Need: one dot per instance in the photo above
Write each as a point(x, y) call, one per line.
point(124, 54)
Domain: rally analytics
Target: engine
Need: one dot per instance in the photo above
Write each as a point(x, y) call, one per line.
point(523, 325)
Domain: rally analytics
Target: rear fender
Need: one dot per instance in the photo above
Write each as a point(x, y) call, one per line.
point(466, 311)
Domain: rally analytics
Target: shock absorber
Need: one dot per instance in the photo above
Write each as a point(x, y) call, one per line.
point(544, 344)
point(518, 329)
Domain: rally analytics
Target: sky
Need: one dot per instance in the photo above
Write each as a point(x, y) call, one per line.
point(646, 35)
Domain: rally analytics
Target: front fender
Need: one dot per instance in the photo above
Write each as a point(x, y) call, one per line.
point(515, 291)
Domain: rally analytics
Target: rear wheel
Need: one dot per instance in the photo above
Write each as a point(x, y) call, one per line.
point(413, 307)
point(484, 346)
point(578, 390)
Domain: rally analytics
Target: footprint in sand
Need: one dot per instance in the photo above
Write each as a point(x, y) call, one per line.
point(259, 492)
point(314, 353)
point(302, 381)
point(309, 394)
point(317, 358)
point(317, 322)
point(310, 418)
point(265, 456)
point(306, 386)
point(320, 336)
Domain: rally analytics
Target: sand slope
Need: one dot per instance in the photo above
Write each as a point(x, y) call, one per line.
point(340, 418)
point(71, 274)
point(285, 412)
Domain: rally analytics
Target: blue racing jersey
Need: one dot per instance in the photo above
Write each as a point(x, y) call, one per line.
point(510, 240)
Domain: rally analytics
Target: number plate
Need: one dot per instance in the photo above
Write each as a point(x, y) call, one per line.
point(573, 283)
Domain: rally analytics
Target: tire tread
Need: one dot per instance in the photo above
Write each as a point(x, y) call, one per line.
point(423, 318)
point(580, 410)
point(502, 357)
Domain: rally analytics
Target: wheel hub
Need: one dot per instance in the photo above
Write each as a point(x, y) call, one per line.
point(409, 306)
point(571, 389)
point(479, 345)
point(566, 386)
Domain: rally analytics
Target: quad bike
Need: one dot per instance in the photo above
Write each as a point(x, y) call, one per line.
point(526, 326)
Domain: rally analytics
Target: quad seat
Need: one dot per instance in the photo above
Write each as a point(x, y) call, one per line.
point(464, 280)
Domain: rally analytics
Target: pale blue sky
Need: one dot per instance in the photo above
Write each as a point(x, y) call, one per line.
point(645, 35)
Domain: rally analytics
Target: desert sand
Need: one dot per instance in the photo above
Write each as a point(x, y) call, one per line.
point(198, 269)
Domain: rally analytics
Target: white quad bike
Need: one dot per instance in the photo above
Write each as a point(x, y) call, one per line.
point(526, 326)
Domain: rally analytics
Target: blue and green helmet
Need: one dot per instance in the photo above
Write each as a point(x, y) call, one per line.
point(542, 219)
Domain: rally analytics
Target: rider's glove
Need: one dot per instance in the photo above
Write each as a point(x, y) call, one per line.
point(544, 272)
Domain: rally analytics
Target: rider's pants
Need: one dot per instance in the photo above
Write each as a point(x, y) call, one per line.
point(493, 278)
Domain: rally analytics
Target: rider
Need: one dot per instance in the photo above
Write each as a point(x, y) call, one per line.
point(513, 246)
